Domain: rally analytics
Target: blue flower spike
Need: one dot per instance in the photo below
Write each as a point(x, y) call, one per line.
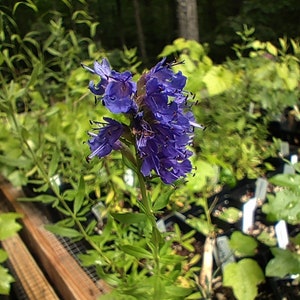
point(161, 124)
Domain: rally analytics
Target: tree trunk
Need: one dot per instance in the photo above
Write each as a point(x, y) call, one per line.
point(187, 15)
point(140, 33)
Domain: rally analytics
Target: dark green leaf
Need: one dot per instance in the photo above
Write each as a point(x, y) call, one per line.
point(129, 218)
point(53, 165)
point(47, 199)
point(63, 231)
point(79, 198)
point(136, 251)
point(163, 199)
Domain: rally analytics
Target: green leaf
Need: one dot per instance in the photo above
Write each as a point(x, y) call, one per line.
point(8, 225)
point(178, 292)
point(63, 231)
point(47, 199)
point(284, 262)
point(53, 165)
point(217, 80)
point(5, 280)
point(230, 215)
point(243, 277)
point(129, 218)
point(79, 198)
point(286, 180)
point(91, 258)
point(171, 259)
point(205, 175)
point(163, 199)
point(243, 245)
point(284, 205)
point(136, 251)
point(3, 256)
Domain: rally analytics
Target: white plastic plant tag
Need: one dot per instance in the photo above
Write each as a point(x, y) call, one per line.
point(129, 177)
point(282, 234)
point(284, 148)
point(248, 214)
point(294, 159)
point(55, 180)
point(251, 108)
point(161, 226)
point(288, 169)
point(261, 189)
point(98, 210)
point(180, 216)
point(223, 254)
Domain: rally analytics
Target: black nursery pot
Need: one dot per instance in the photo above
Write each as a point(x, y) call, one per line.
point(222, 208)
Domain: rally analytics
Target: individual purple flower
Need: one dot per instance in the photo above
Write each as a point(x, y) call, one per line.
point(119, 92)
point(103, 70)
point(106, 140)
point(170, 82)
point(114, 89)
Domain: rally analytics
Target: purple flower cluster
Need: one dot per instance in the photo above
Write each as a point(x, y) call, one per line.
point(161, 123)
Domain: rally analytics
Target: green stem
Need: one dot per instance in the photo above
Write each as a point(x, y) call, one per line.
point(147, 206)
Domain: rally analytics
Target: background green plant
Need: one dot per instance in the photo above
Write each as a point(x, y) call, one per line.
point(45, 108)
point(284, 205)
point(8, 228)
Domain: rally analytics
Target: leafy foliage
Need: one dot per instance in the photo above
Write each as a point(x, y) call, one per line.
point(8, 228)
point(44, 110)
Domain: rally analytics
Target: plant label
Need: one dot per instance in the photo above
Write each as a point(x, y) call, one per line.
point(288, 169)
point(261, 189)
point(294, 159)
point(129, 177)
point(161, 226)
point(284, 148)
point(223, 254)
point(98, 211)
point(282, 234)
point(248, 214)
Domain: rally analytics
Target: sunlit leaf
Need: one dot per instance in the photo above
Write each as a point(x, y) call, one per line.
point(284, 263)
point(5, 280)
point(243, 277)
point(243, 245)
point(8, 225)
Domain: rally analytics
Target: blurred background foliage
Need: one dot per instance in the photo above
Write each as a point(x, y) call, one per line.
point(113, 24)
point(240, 78)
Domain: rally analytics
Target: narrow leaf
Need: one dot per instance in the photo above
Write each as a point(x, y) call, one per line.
point(129, 218)
point(163, 200)
point(79, 198)
point(63, 231)
point(136, 251)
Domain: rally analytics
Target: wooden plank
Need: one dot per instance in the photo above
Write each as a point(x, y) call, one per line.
point(30, 276)
point(63, 270)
